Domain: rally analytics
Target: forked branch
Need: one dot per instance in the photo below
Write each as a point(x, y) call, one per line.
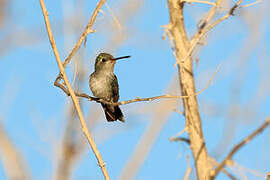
point(205, 28)
point(238, 147)
point(87, 30)
point(72, 94)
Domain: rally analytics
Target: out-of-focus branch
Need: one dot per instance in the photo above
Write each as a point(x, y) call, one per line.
point(188, 171)
point(14, 165)
point(215, 163)
point(238, 147)
point(3, 10)
point(72, 94)
point(71, 148)
point(251, 4)
point(160, 114)
point(206, 28)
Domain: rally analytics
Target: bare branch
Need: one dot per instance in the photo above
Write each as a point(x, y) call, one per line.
point(13, 162)
point(85, 33)
point(215, 163)
point(210, 15)
point(160, 114)
point(243, 170)
point(204, 29)
point(239, 146)
point(187, 85)
point(188, 171)
point(251, 4)
point(82, 38)
point(183, 139)
point(115, 19)
point(166, 96)
point(72, 94)
point(200, 1)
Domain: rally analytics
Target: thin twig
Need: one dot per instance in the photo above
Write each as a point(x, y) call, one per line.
point(245, 170)
point(182, 139)
point(251, 4)
point(85, 33)
point(200, 1)
point(81, 39)
point(115, 19)
point(196, 39)
point(159, 115)
point(178, 134)
point(188, 171)
point(204, 21)
point(227, 173)
point(72, 94)
point(166, 96)
point(239, 146)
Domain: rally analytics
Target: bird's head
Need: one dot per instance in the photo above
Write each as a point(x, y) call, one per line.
point(105, 62)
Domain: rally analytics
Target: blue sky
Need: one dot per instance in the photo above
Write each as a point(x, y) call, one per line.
point(33, 110)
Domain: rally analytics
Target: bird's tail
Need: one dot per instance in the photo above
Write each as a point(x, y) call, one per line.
point(113, 113)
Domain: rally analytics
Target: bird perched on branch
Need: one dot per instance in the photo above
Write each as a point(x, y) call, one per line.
point(104, 85)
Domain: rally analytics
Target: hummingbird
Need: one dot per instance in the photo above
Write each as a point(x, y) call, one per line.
point(104, 85)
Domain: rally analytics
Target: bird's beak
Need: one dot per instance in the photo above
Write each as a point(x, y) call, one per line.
point(123, 57)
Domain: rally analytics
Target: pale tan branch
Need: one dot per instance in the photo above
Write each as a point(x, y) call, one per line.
point(115, 19)
point(166, 96)
point(200, 1)
point(187, 85)
point(227, 159)
point(251, 4)
point(85, 33)
point(216, 164)
point(188, 171)
point(12, 160)
point(87, 30)
point(209, 16)
point(205, 29)
point(178, 134)
point(240, 168)
point(72, 94)
point(160, 113)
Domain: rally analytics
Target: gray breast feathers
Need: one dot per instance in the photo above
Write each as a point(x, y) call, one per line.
point(104, 86)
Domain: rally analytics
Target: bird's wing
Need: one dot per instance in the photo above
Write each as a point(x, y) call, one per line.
point(115, 89)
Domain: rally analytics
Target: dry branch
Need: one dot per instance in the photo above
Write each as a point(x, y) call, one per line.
point(166, 96)
point(14, 165)
point(160, 113)
point(80, 41)
point(188, 171)
point(252, 4)
point(200, 1)
point(204, 28)
point(215, 163)
point(181, 41)
point(72, 94)
point(238, 147)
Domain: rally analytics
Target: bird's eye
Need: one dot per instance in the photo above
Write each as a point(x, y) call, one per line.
point(103, 60)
